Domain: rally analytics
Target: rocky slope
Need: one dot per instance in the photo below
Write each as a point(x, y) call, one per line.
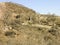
point(20, 25)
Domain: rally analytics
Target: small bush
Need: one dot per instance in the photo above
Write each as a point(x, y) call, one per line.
point(10, 33)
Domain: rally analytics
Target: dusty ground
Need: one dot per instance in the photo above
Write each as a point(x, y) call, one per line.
point(20, 25)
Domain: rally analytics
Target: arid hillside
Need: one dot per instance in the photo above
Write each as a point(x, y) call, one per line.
point(20, 25)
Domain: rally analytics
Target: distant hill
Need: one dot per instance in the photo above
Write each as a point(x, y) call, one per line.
point(20, 25)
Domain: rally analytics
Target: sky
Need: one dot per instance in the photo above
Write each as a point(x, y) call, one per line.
point(40, 6)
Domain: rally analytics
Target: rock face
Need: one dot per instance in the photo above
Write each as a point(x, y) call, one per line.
point(20, 25)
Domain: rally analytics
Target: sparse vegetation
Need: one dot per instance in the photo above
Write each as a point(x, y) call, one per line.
point(28, 27)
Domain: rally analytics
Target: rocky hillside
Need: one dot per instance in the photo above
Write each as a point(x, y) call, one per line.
point(20, 25)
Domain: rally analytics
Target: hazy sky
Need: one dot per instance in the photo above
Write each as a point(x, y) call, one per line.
point(41, 6)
